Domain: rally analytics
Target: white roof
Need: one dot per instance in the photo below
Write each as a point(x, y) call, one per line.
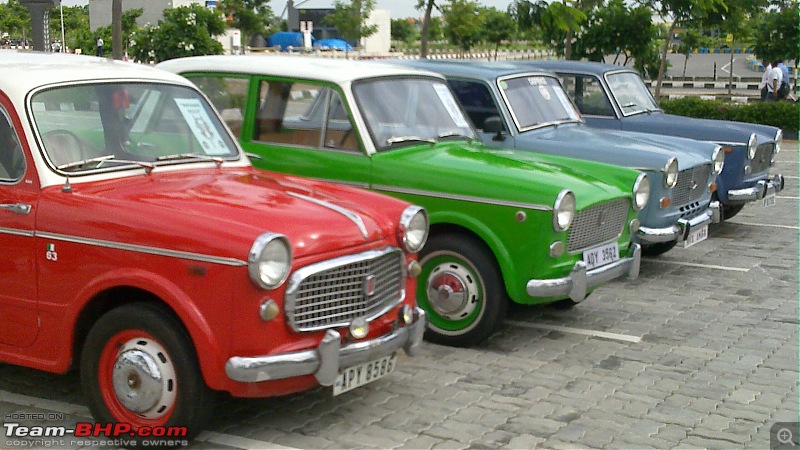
point(21, 71)
point(339, 71)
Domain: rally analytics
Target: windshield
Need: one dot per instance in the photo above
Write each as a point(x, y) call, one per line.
point(536, 101)
point(630, 93)
point(404, 111)
point(118, 125)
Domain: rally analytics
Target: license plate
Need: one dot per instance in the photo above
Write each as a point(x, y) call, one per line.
point(600, 256)
point(356, 376)
point(695, 236)
point(769, 200)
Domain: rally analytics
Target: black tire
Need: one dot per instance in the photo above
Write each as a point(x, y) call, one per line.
point(564, 304)
point(658, 248)
point(150, 333)
point(471, 301)
point(728, 211)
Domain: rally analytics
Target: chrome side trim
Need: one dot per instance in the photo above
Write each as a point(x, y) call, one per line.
point(355, 218)
point(144, 249)
point(16, 232)
point(464, 198)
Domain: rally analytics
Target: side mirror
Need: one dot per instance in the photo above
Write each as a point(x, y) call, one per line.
point(494, 124)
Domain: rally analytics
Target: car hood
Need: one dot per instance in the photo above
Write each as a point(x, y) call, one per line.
point(216, 211)
point(636, 150)
point(717, 131)
point(471, 169)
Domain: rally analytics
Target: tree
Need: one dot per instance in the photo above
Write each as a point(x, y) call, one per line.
point(403, 30)
point(251, 17)
point(426, 25)
point(776, 35)
point(116, 29)
point(184, 31)
point(498, 26)
point(557, 21)
point(351, 20)
point(690, 40)
point(616, 29)
point(86, 39)
point(678, 12)
point(15, 19)
point(76, 24)
point(462, 23)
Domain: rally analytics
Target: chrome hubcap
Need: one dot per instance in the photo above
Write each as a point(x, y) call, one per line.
point(144, 378)
point(452, 291)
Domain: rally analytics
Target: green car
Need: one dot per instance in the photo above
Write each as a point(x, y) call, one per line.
point(504, 224)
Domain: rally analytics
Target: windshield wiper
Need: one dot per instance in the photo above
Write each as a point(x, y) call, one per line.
point(455, 134)
point(398, 139)
point(179, 156)
point(99, 160)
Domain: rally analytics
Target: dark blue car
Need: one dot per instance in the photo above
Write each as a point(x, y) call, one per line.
point(615, 97)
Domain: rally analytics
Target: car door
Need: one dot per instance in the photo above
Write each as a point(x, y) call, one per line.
point(18, 193)
point(587, 92)
point(305, 129)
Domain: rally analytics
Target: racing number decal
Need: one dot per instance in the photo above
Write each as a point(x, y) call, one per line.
point(51, 254)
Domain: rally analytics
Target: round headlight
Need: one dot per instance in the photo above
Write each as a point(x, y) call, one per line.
point(641, 192)
point(719, 159)
point(563, 210)
point(413, 228)
point(752, 146)
point(778, 142)
point(671, 173)
point(269, 260)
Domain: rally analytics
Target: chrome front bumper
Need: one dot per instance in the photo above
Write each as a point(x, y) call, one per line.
point(580, 280)
point(680, 230)
point(330, 355)
point(762, 189)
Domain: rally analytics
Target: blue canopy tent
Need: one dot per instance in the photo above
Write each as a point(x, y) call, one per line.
point(333, 44)
point(286, 39)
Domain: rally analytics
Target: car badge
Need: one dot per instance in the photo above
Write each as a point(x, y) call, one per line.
point(369, 286)
point(694, 184)
point(601, 219)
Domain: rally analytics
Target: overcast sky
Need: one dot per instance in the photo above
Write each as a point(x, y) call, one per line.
point(398, 8)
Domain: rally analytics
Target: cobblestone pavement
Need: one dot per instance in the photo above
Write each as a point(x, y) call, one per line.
point(700, 352)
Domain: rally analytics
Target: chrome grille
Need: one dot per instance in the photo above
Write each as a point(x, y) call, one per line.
point(761, 162)
point(332, 293)
point(692, 184)
point(597, 224)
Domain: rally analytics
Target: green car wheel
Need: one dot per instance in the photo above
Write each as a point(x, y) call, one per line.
point(460, 287)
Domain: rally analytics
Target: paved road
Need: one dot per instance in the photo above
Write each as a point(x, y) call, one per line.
point(700, 351)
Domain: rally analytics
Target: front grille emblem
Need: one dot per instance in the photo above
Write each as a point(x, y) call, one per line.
point(601, 219)
point(369, 286)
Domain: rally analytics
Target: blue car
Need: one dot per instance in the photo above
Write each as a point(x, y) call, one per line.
point(528, 109)
point(615, 97)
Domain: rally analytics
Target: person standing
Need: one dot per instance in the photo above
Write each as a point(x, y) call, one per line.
point(786, 85)
point(99, 46)
point(765, 80)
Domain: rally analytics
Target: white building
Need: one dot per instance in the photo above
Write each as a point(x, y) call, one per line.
point(100, 10)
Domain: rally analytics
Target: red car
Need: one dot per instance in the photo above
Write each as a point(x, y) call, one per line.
point(138, 244)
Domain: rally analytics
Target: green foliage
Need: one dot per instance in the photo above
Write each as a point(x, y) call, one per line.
point(350, 19)
point(498, 26)
point(616, 29)
point(86, 40)
point(15, 20)
point(550, 22)
point(778, 114)
point(776, 35)
point(462, 23)
point(184, 31)
point(76, 24)
point(403, 30)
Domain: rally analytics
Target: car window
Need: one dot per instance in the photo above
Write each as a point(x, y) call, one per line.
point(12, 160)
point(476, 99)
point(631, 94)
point(286, 114)
point(228, 94)
point(587, 94)
point(537, 101)
point(127, 122)
point(339, 130)
point(408, 111)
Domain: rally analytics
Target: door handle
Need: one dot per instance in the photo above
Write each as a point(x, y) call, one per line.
point(19, 208)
